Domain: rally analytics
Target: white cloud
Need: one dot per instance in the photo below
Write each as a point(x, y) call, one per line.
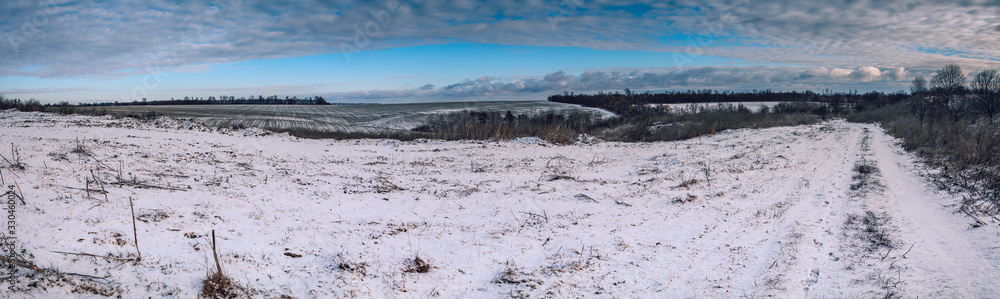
point(839, 72)
point(867, 73)
point(76, 38)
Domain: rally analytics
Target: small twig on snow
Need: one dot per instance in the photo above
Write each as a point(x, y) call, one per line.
point(908, 250)
point(94, 255)
point(886, 254)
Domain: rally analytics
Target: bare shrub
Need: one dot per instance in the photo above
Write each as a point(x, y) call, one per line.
point(986, 93)
point(871, 228)
point(217, 284)
point(417, 265)
point(967, 152)
point(360, 268)
point(558, 168)
point(512, 274)
point(14, 161)
point(713, 120)
point(492, 125)
point(866, 177)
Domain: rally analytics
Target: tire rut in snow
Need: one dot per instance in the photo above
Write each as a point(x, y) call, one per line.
point(804, 252)
point(869, 231)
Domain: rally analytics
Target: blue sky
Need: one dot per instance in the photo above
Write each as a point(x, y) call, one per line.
point(429, 50)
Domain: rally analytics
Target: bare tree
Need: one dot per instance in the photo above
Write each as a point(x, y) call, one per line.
point(949, 79)
point(921, 104)
point(919, 86)
point(986, 88)
point(946, 85)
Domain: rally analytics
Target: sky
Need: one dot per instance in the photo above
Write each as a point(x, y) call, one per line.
point(389, 51)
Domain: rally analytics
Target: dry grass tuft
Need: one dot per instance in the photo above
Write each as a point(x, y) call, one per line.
point(217, 283)
point(418, 265)
point(873, 229)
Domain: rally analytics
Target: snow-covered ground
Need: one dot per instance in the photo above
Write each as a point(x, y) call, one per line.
point(747, 213)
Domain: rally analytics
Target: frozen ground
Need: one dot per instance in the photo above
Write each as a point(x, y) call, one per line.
point(781, 212)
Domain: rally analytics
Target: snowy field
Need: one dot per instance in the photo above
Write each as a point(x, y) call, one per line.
point(782, 212)
point(342, 118)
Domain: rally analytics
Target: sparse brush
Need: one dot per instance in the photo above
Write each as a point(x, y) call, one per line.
point(217, 283)
point(966, 149)
point(708, 120)
point(476, 167)
point(14, 162)
point(864, 168)
point(706, 169)
point(866, 177)
point(417, 265)
point(80, 149)
point(386, 186)
point(512, 275)
point(688, 183)
point(557, 168)
point(872, 228)
point(359, 268)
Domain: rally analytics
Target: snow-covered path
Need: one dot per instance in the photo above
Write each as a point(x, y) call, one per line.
point(948, 259)
point(747, 213)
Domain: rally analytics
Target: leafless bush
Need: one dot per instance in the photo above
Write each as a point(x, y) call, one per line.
point(550, 126)
point(380, 184)
point(14, 162)
point(64, 107)
point(29, 105)
point(80, 149)
point(523, 281)
point(889, 280)
point(417, 265)
point(866, 177)
point(558, 168)
point(512, 274)
point(707, 121)
point(986, 93)
point(871, 228)
point(476, 167)
point(343, 264)
point(964, 148)
point(217, 284)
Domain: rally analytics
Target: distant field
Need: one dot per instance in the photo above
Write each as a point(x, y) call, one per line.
point(337, 118)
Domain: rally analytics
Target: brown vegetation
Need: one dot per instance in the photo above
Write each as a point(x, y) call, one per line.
point(961, 139)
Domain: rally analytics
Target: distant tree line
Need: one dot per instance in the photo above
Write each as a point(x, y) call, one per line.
point(631, 103)
point(221, 100)
point(29, 105)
